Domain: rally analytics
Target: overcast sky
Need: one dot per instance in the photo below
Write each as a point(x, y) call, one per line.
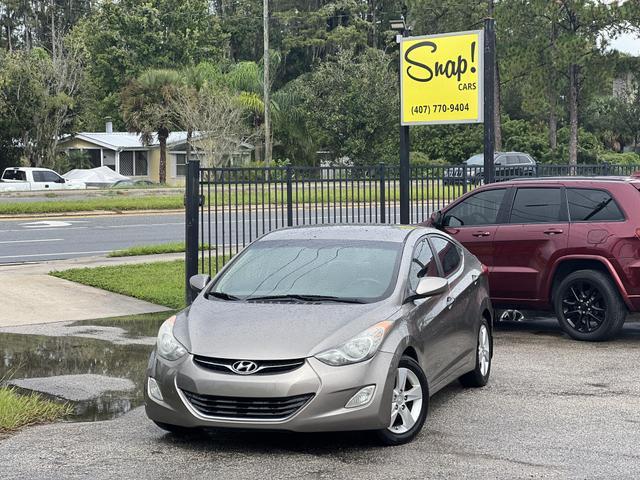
point(627, 43)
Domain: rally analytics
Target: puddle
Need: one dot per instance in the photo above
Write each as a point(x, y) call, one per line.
point(60, 352)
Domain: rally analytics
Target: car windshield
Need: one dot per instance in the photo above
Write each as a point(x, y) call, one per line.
point(476, 160)
point(360, 271)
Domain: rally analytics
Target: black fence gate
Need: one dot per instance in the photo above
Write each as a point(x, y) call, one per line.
point(228, 208)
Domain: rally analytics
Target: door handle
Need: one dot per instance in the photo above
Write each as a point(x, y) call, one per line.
point(553, 231)
point(481, 234)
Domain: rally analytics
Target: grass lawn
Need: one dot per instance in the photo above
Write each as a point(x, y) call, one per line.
point(159, 282)
point(248, 195)
point(171, 247)
point(116, 204)
point(17, 410)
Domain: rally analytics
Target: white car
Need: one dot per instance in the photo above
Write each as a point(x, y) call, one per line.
point(25, 179)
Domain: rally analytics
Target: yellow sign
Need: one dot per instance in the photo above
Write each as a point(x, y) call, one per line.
point(441, 78)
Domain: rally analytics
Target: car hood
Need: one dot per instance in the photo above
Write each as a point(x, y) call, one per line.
point(272, 331)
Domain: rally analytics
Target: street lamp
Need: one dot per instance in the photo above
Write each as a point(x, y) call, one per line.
point(400, 26)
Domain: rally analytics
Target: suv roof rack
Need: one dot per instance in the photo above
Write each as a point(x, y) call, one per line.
point(569, 177)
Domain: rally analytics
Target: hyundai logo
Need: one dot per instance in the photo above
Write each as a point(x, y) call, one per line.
point(244, 367)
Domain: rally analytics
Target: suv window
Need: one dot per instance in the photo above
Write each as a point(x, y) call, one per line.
point(514, 160)
point(423, 264)
point(592, 205)
point(478, 209)
point(448, 254)
point(14, 175)
point(536, 205)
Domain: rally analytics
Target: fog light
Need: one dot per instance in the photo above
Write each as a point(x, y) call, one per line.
point(361, 398)
point(154, 390)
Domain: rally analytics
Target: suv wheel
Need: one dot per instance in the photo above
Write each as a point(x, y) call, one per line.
point(588, 306)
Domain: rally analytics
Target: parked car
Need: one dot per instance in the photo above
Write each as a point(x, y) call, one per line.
point(571, 245)
point(325, 329)
point(507, 165)
point(24, 179)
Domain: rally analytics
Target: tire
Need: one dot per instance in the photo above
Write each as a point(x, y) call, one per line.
point(588, 306)
point(479, 376)
point(174, 429)
point(397, 433)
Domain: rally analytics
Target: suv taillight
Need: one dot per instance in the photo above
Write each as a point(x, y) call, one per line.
point(638, 233)
point(485, 269)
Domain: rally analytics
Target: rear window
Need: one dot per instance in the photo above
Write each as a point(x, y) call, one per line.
point(536, 205)
point(14, 175)
point(590, 205)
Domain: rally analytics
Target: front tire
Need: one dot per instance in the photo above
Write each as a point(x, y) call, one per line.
point(409, 404)
point(479, 376)
point(588, 306)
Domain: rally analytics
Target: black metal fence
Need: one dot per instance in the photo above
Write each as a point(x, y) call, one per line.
point(227, 208)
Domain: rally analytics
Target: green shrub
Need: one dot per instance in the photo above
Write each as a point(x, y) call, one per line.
point(628, 158)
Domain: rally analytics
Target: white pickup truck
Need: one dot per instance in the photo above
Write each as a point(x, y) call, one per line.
point(25, 179)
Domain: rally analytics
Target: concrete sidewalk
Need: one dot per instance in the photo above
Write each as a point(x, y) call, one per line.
point(30, 295)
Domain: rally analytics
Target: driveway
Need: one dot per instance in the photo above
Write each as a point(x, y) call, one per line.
point(554, 408)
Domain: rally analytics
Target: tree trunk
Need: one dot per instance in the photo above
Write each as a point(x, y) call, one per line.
point(163, 157)
point(553, 97)
point(266, 84)
point(573, 114)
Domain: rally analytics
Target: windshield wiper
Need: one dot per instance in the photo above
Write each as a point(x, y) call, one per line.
point(223, 296)
point(307, 298)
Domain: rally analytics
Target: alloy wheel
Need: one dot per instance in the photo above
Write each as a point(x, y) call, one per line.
point(484, 350)
point(406, 403)
point(584, 306)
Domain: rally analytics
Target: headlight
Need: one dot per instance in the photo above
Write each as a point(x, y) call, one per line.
point(360, 348)
point(167, 346)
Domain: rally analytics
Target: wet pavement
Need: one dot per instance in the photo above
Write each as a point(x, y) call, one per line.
point(554, 408)
point(116, 347)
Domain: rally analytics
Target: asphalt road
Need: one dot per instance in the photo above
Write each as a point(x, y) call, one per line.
point(52, 238)
point(554, 408)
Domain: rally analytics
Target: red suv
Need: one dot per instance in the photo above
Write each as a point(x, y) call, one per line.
point(567, 244)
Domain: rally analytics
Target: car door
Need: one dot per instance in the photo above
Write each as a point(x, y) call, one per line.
point(44, 180)
point(474, 220)
point(459, 337)
point(526, 246)
point(429, 316)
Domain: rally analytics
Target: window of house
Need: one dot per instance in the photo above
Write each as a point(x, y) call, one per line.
point(536, 205)
point(478, 209)
point(134, 163)
point(181, 164)
point(94, 155)
point(589, 205)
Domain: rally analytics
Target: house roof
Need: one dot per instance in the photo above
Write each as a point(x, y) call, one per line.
point(132, 141)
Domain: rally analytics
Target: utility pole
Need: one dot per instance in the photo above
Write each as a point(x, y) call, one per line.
point(405, 169)
point(266, 82)
point(489, 106)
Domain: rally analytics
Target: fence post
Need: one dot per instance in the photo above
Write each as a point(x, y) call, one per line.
point(192, 205)
point(289, 175)
point(464, 178)
point(605, 169)
point(383, 200)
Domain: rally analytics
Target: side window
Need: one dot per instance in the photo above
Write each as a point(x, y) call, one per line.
point(536, 205)
point(501, 160)
point(39, 176)
point(51, 177)
point(478, 209)
point(514, 160)
point(592, 205)
point(423, 264)
point(448, 253)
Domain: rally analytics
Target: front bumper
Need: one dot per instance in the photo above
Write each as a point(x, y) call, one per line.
point(332, 388)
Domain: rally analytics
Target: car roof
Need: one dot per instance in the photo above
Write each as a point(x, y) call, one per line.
point(570, 179)
point(373, 232)
point(29, 169)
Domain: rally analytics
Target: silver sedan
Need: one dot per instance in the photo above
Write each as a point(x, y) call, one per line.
point(325, 329)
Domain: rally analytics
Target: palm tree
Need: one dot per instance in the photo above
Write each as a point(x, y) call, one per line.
point(246, 78)
point(146, 105)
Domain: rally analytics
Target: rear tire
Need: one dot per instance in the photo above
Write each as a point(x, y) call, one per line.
point(409, 404)
point(588, 306)
point(479, 376)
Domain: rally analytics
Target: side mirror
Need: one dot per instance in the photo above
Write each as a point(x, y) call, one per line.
point(431, 286)
point(437, 219)
point(198, 282)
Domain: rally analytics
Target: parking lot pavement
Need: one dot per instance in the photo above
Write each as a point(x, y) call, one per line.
point(554, 408)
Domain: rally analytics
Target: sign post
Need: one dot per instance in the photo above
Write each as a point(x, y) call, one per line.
point(442, 81)
point(489, 101)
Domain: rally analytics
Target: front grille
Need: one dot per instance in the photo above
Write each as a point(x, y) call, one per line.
point(265, 367)
point(247, 408)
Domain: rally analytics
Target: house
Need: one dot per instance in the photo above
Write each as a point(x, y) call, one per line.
point(125, 153)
